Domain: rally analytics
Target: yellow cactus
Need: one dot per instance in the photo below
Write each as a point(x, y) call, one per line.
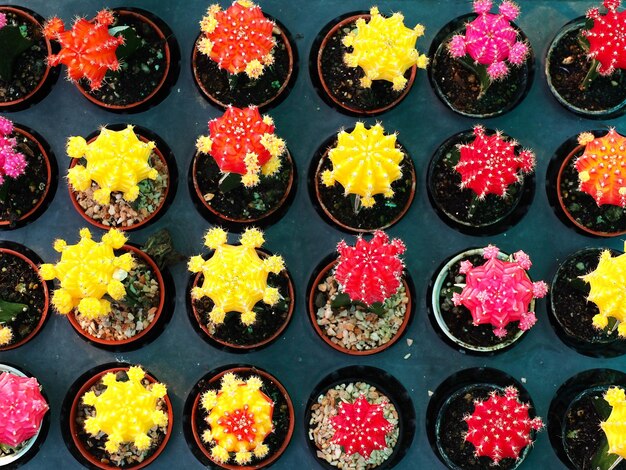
point(126, 411)
point(87, 271)
point(240, 417)
point(116, 161)
point(384, 48)
point(615, 426)
point(6, 335)
point(365, 162)
point(235, 278)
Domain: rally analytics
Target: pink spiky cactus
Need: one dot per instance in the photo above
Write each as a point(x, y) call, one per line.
point(360, 427)
point(607, 37)
point(3, 20)
point(370, 272)
point(500, 427)
point(12, 163)
point(490, 40)
point(499, 292)
point(22, 408)
point(489, 164)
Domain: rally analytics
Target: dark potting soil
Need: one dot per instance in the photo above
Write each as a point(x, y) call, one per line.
point(140, 74)
point(241, 203)
point(30, 66)
point(239, 90)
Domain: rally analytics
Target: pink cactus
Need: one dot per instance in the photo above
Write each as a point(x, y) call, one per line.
point(12, 163)
point(607, 37)
point(3, 20)
point(370, 272)
point(499, 292)
point(22, 408)
point(500, 427)
point(489, 164)
point(490, 39)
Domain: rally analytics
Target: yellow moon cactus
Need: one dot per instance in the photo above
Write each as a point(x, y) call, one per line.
point(365, 162)
point(235, 277)
point(116, 161)
point(240, 417)
point(615, 426)
point(126, 411)
point(384, 48)
point(87, 271)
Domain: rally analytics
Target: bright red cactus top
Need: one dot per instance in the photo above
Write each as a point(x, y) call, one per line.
point(87, 50)
point(370, 272)
point(489, 164)
point(360, 427)
point(607, 37)
point(499, 292)
point(601, 169)
point(490, 39)
point(12, 163)
point(22, 408)
point(500, 427)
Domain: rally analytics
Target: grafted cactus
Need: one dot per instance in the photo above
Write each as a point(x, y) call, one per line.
point(607, 38)
point(615, 426)
point(22, 408)
point(12, 162)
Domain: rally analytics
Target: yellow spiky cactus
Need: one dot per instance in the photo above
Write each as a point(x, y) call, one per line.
point(615, 426)
point(240, 418)
point(365, 162)
point(116, 161)
point(384, 48)
point(235, 277)
point(126, 411)
point(6, 335)
point(87, 271)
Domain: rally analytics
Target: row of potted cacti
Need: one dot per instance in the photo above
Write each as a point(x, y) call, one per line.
point(482, 64)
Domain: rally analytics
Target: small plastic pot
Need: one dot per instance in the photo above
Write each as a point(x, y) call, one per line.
point(40, 90)
point(277, 441)
point(163, 152)
point(73, 435)
point(454, 205)
point(453, 400)
point(388, 386)
point(338, 210)
point(338, 85)
point(450, 79)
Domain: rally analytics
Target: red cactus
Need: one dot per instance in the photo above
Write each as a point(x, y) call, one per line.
point(360, 427)
point(500, 427)
point(489, 164)
point(607, 37)
point(370, 272)
point(87, 50)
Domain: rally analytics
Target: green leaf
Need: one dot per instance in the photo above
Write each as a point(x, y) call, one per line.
point(132, 41)
point(229, 182)
point(602, 460)
point(377, 308)
point(10, 310)
point(341, 300)
point(592, 74)
point(453, 157)
point(13, 44)
point(480, 71)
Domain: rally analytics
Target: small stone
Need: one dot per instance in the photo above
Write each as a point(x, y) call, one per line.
point(406, 356)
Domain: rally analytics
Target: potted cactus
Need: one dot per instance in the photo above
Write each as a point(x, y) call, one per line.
point(238, 417)
point(365, 63)
point(585, 64)
point(360, 300)
point(484, 308)
point(480, 182)
point(482, 63)
point(121, 176)
point(240, 297)
point(363, 179)
point(242, 172)
point(243, 57)
point(123, 60)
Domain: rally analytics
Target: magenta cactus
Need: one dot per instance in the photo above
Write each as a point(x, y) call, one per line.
point(22, 408)
point(3, 20)
point(12, 163)
point(499, 292)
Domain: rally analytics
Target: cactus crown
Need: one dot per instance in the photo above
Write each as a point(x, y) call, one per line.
point(12, 162)
point(601, 168)
point(235, 277)
point(22, 408)
point(489, 164)
point(116, 161)
point(607, 37)
point(614, 426)
point(365, 162)
point(238, 39)
point(240, 417)
point(243, 142)
point(126, 411)
point(3, 20)
point(500, 427)
point(87, 50)
point(499, 292)
point(384, 48)
point(87, 272)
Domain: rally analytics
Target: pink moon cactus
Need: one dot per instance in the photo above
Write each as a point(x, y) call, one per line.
point(22, 408)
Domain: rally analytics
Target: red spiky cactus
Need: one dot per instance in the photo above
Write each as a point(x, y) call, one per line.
point(607, 37)
point(499, 292)
point(500, 427)
point(489, 164)
point(601, 168)
point(360, 427)
point(370, 272)
point(12, 162)
point(87, 50)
